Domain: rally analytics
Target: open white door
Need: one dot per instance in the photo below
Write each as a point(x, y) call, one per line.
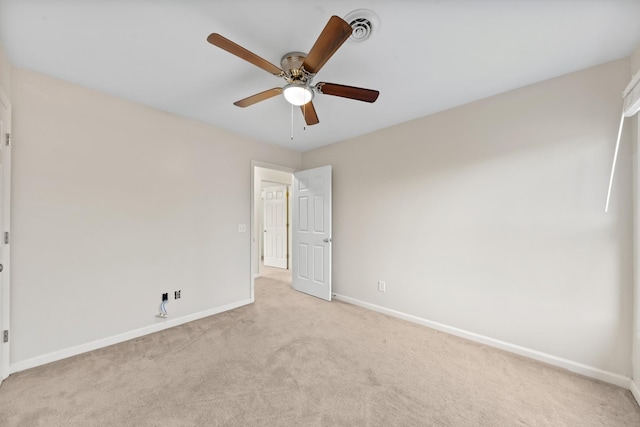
point(5, 186)
point(311, 269)
point(275, 226)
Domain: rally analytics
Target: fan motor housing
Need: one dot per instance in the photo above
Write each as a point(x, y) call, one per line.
point(291, 63)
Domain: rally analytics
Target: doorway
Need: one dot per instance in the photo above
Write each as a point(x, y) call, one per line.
point(308, 227)
point(269, 176)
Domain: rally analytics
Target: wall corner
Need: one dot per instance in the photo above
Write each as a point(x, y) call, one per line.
point(5, 73)
point(635, 143)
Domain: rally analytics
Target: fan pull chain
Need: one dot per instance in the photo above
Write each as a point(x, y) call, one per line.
point(304, 107)
point(292, 122)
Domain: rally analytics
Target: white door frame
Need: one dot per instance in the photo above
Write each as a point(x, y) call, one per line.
point(255, 241)
point(5, 227)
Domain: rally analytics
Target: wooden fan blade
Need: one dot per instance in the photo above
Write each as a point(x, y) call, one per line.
point(258, 97)
point(226, 44)
point(335, 33)
point(309, 113)
point(357, 93)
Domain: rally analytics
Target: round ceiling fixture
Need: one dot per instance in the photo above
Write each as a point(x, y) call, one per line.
point(297, 94)
point(364, 23)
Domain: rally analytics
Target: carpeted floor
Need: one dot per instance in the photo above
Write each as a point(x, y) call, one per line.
point(294, 360)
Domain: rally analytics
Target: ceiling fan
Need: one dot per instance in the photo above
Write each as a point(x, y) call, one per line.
point(299, 69)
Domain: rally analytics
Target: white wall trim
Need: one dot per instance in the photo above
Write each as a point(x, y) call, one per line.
point(635, 390)
point(104, 342)
point(579, 368)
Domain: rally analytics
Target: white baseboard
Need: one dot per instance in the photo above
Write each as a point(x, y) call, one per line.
point(635, 390)
point(579, 368)
point(94, 345)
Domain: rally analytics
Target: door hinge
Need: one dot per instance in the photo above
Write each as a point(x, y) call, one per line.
point(7, 139)
point(5, 336)
point(6, 237)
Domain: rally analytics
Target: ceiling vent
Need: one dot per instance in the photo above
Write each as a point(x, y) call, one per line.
point(364, 23)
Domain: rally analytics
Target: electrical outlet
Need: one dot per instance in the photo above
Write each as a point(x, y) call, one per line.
point(165, 297)
point(382, 286)
point(176, 294)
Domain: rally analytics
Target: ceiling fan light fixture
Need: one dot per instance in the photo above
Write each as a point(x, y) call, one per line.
point(297, 94)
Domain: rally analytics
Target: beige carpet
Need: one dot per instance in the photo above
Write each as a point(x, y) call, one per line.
point(294, 360)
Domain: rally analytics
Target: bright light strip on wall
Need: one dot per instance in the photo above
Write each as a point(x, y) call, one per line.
point(631, 95)
point(613, 166)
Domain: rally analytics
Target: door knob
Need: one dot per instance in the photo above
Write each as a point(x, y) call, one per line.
point(327, 240)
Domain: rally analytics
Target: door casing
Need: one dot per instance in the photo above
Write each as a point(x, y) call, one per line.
point(254, 228)
point(5, 211)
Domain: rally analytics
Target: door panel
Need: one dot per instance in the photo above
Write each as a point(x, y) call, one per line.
point(312, 232)
point(303, 261)
point(318, 259)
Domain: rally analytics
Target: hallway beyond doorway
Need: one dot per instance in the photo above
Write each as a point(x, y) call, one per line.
point(279, 274)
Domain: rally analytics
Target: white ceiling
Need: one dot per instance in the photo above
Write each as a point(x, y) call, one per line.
point(427, 56)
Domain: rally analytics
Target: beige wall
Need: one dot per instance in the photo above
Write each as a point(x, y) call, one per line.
point(489, 218)
point(5, 72)
point(114, 204)
point(635, 60)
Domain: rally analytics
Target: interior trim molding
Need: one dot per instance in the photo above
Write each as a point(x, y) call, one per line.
point(635, 390)
point(136, 333)
point(579, 368)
